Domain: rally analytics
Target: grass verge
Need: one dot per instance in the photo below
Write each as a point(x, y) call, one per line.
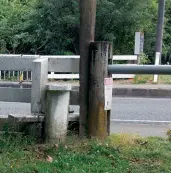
point(148, 79)
point(118, 154)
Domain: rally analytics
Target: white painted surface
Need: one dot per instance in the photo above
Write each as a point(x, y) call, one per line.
point(115, 57)
point(125, 57)
point(63, 76)
point(157, 62)
point(76, 76)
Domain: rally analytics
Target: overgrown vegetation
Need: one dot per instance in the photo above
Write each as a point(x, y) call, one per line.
point(148, 79)
point(144, 59)
point(118, 154)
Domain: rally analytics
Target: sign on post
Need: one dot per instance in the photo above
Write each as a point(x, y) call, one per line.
point(108, 82)
point(139, 43)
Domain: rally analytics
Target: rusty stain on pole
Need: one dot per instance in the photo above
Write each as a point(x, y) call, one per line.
point(98, 117)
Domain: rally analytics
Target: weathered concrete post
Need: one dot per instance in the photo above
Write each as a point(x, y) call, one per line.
point(58, 97)
point(39, 83)
point(100, 90)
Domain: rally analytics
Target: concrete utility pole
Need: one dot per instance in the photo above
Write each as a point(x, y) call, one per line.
point(87, 32)
point(159, 34)
point(160, 24)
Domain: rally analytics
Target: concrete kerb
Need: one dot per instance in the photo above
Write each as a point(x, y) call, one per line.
point(162, 92)
point(142, 92)
point(131, 91)
point(150, 122)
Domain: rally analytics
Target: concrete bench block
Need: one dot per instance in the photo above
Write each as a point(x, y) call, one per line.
point(24, 124)
point(26, 118)
point(58, 97)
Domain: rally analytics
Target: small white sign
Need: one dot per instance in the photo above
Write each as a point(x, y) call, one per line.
point(108, 85)
point(139, 43)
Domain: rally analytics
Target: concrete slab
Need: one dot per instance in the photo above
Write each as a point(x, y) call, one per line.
point(26, 118)
point(59, 87)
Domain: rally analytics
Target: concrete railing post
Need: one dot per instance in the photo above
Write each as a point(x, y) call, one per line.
point(39, 84)
point(58, 97)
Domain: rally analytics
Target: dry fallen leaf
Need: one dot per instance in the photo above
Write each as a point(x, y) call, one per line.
point(49, 159)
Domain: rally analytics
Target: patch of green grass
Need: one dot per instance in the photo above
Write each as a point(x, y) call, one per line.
point(165, 79)
point(150, 155)
point(148, 79)
point(118, 154)
point(142, 79)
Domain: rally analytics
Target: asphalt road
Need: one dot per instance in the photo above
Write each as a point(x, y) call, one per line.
point(142, 109)
point(123, 109)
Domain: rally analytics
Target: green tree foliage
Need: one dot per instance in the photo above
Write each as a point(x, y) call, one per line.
point(57, 24)
point(14, 18)
point(167, 31)
point(52, 26)
point(118, 20)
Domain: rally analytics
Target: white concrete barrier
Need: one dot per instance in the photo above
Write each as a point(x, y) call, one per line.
point(20, 66)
